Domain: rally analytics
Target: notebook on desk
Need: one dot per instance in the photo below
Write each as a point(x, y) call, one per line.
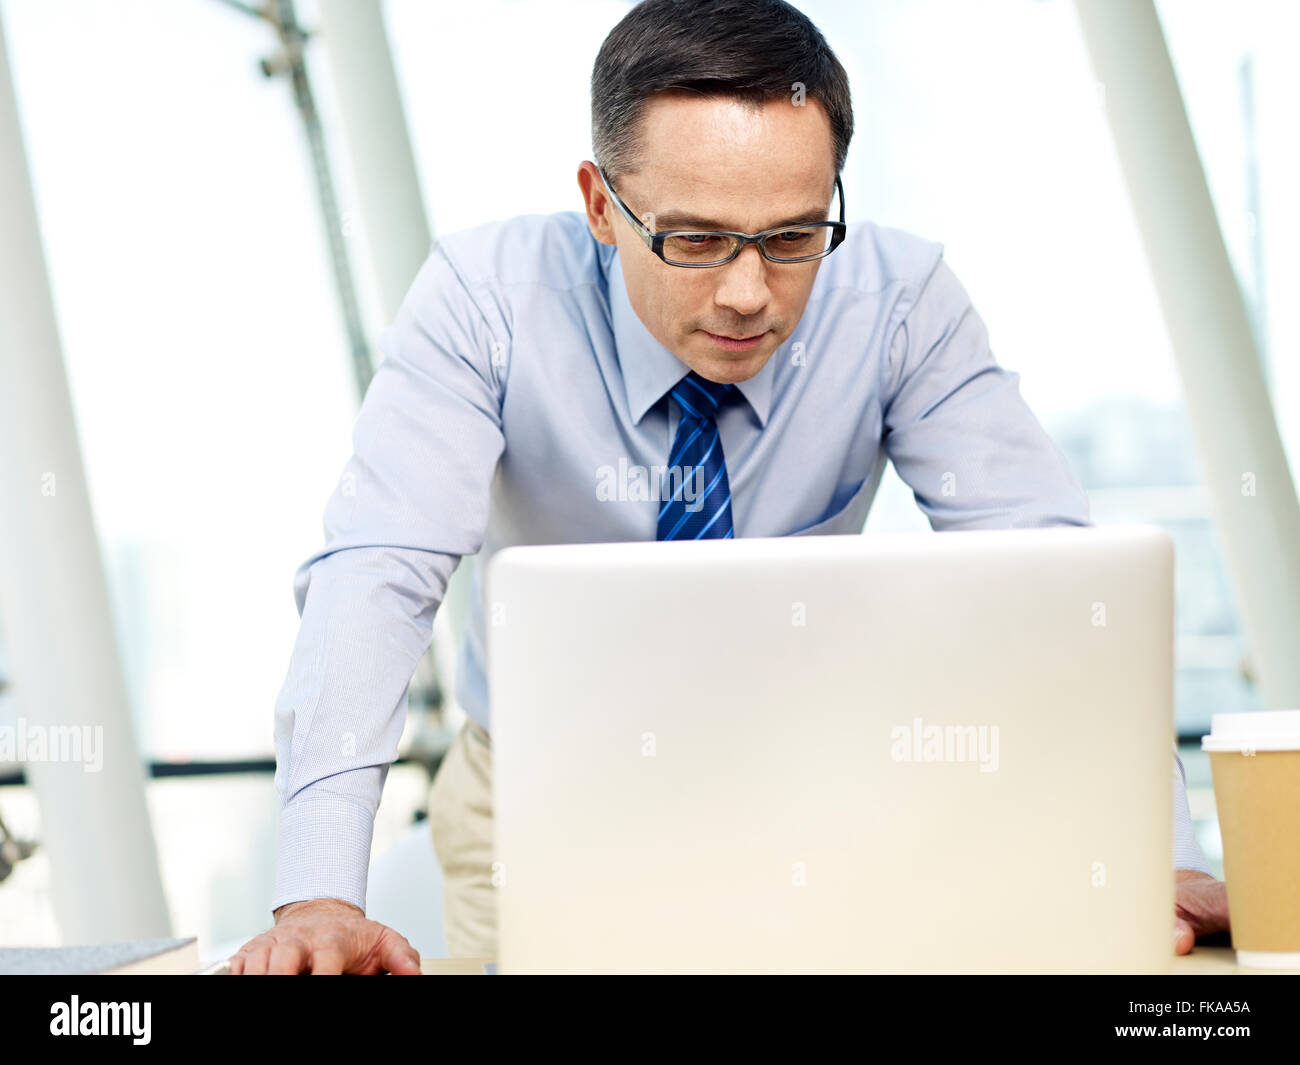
point(142, 957)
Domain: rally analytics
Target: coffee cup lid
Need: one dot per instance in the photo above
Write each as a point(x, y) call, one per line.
point(1266, 730)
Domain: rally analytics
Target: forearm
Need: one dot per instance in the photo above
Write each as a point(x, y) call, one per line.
point(366, 621)
point(1187, 852)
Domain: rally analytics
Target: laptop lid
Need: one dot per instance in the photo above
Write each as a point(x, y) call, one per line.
point(905, 753)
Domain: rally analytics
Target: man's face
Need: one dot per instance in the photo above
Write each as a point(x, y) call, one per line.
point(711, 162)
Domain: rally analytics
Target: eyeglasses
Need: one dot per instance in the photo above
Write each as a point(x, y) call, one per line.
point(707, 247)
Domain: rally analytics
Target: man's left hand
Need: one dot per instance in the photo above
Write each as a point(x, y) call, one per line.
point(1200, 907)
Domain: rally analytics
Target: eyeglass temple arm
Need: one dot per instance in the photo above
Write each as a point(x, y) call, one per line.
point(642, 230)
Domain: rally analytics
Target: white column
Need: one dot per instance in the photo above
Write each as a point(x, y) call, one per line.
point(378, 144)
point(1253, 497)
point(54, 603)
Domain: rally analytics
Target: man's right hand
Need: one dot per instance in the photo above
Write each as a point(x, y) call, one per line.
point(325, 936)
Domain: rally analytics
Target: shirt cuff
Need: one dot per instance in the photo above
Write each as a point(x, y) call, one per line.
point(324, 851)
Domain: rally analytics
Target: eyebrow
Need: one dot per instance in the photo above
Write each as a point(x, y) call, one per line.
point(681, 220)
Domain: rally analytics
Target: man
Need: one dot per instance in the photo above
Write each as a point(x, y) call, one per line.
point(708, 319)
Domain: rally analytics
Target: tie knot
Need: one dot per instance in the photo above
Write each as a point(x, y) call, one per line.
point(698, 396)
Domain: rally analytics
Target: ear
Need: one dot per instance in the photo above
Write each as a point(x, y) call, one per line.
point(600, 209)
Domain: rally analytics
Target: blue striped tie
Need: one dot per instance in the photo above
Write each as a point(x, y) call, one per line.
point(697, 497)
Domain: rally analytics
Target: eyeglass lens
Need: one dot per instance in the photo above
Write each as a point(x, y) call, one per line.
point(699, 248)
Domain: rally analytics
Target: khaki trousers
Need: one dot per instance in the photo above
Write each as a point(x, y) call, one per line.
point(460, 817)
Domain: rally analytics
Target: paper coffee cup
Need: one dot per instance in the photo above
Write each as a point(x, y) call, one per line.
point(1255, 762)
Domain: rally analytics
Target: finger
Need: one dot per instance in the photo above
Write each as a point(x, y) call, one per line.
point(288, 957)
point(256, 957)
point(1218, 914)
point(239, 959)
point(1205, 922)
point(399, 957)
point(1184, 937)
point(327, 961)
point(1205, 910)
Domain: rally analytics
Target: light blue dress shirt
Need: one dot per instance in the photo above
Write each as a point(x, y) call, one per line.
point(518, 395)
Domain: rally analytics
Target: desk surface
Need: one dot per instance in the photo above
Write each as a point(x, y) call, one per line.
point(1202, 960)
point(453, 966)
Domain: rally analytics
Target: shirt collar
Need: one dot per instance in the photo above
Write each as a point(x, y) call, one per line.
point(650, 370)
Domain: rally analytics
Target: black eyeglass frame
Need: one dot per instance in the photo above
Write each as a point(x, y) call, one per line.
point(655, 241)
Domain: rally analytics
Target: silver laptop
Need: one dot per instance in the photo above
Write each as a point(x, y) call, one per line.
point(884, 753)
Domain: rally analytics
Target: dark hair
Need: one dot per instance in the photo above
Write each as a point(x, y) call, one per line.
point(753, 50)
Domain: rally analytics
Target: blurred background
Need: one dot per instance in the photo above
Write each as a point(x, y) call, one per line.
point(217, 295)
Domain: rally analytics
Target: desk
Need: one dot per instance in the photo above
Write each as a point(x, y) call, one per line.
point(1218, 961)
point(1214, 960)
point(453, 966)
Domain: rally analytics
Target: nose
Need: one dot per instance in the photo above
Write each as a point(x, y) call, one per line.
point(743, 286)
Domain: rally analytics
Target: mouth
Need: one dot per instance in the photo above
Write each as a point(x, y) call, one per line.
point(727, 343)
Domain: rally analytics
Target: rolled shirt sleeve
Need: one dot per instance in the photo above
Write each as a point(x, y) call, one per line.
point(963, 439)
point(411, 501)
